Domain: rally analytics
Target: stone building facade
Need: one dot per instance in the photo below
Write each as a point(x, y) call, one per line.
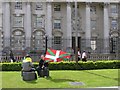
point(25, 25)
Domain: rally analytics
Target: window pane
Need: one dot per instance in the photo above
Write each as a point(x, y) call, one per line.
point(18, 5)
point(0, 20)
point(57, 7)
point(74, 6)
point(39, 6)
point(93, 24)
point(113, 8)
point(39, 22)
point(18, 33)
point(114, 24)
point(57, 24)
point(57, 40)
point(93, 9)
point(18, 21)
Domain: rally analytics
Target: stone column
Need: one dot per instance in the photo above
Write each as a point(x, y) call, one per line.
point(49, 24)
point(88, 26)
point(106, 28)
point(6, 24)
point(69, 29)
point(28, 26)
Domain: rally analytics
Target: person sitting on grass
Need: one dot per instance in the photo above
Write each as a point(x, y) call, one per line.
point(42, 68)
point(27, 65)
point(40, 65)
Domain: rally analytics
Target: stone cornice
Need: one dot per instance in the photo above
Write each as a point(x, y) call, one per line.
point(110, 1)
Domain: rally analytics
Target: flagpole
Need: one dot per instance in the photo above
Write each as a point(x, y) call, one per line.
point(45, 44)
point(76, 37)
point(46, 39)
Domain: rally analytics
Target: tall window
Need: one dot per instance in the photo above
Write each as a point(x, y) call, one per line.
point(18, 5)
point(114, 43)
point(0, 20)
point(1, 15)
point(74, 6)
point(57, 42)
point(38, 41)
point(57, 7)
point(73, 11)
point(114, 8)
point(18, 41)
point(114, 24)
point(57, 24)
point(0, 41)
point(18, 21)
point(39, 6)
point(93, 24)
point(39, 22)
point(79, 21)
point(93, 9)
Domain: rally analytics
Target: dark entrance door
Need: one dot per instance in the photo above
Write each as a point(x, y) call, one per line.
point(79, 43)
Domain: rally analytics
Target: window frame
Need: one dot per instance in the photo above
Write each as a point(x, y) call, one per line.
point(57, 7)
point(39, 22)
point(93, 9)
point(18, 5)
point(114, 8)
point(57, 25)
point(16, 22)
point(93, 24)
point(38, 6)
point(114, 24)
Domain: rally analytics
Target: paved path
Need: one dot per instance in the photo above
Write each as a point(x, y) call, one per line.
point(110, 87)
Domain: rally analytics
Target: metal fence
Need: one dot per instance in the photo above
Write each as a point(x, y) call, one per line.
point(97, 49)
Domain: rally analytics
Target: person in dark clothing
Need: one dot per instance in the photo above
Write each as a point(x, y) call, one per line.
point(12, 56)
point(41, 65)
point(46, 69)
point(46, 64)
point(43, 69)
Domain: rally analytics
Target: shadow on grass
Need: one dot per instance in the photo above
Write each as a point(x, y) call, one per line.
point(59, 80)
point(102, 75)
point(33, 82)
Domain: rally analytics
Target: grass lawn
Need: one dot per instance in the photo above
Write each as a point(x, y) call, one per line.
point(61, 79)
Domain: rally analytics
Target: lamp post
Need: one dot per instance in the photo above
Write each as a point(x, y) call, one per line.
point(76, 37)
point(46, 39)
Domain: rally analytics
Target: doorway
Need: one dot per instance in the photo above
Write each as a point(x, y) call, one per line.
point(74, 43)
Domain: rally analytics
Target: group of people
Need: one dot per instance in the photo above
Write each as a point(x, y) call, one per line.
point(83, 56)
point(27, 65)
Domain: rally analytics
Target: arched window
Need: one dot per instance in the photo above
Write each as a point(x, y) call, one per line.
point(114, 44)
point(38, 40)
point(18, 40)
point(0, 40)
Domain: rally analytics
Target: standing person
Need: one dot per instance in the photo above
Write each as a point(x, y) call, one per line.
point(79, 55)
point(84, 56)
point(12, 56)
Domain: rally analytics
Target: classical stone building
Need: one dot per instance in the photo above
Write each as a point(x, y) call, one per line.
point(25, 25)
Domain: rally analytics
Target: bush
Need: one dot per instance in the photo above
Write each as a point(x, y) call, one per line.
point(111, 64)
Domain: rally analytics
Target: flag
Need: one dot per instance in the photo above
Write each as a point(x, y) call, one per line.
point(56, 55)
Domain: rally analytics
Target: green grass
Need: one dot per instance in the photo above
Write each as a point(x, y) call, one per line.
point(61, 79)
